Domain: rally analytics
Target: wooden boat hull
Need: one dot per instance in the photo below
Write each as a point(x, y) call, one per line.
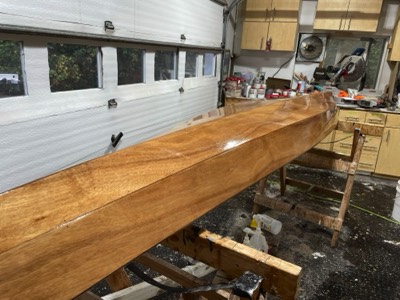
point(65, 232)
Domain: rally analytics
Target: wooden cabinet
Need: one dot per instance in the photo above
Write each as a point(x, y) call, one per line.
point(394, 52)
point(348, 15)
point(389, 154)
point(272, 10)
point(326, 143)
point(270, 21)
point(381, 150)
point(256, 34)
point(341, 140)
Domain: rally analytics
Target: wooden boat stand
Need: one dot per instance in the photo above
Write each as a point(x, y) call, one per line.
point(321, 159)
point(215, 253)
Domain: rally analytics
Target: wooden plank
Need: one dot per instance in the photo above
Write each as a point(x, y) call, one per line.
point(280, 277)
point(180, 276)
point(299, 211)
point(118, 280)
point(323, 159)
point(144, 290)
point(313, 188)
point(57, 228)
point(368, 129)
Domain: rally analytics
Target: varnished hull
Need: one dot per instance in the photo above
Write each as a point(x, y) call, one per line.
point(63, 233)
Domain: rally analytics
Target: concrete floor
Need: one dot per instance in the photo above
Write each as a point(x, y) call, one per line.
point(366, 262)
point(364, 265)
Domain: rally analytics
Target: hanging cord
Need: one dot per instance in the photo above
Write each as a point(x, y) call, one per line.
point(342, 139)
point(338, 202)
point(283, 65)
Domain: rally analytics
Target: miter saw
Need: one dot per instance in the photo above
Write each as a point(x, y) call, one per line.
point(351, 68)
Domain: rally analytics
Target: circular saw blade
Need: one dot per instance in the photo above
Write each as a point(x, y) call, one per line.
point(354, 68)
point(311, 47)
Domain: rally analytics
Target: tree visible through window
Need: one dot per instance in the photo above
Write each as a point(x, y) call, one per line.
point(130, 65)
point(72, 67)
point(11, 79)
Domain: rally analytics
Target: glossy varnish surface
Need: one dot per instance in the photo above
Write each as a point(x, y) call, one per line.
point(63, 233)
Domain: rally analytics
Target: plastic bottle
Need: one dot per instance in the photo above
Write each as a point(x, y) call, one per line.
point(257, 239)
point(267, 223)
point(246, 240)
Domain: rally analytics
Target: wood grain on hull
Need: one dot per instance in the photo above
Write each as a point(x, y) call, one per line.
point(65, 232)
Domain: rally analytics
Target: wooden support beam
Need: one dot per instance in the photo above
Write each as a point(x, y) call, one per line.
point(144, 290)
point(299, 211)
point(178, 275)
point(368, 129)
point(313, 188)
point(118, 280)
point(323, 159)
point(233, 258)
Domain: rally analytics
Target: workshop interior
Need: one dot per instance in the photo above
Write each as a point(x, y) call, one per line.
point(200, 149)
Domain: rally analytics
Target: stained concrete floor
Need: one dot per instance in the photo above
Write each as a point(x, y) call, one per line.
point(364, 265)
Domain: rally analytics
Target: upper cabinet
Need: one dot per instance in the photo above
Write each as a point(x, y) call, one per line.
point(348, 15)
point(270, 25)
point(394, 52)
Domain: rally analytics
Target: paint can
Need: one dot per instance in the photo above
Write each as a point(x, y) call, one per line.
point(396, 207)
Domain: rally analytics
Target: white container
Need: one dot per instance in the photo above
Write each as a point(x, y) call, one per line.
point(396, 207)
point(267, 223)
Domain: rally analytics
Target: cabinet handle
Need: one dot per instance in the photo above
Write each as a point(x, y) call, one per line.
point(340, 25)
point(346, 145)
point(348, 27)
point(262, 43)
point(388, 137)
point(366, 164)
point(267, 15)
point(370, 148)
point(273, 18)
point(351, 119)
point(375, 121)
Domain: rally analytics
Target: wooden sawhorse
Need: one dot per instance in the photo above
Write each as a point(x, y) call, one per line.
point(320, 159)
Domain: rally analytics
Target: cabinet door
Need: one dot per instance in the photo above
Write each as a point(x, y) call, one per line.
point(331, 15)
point(326, 143)
point(369, 153)
point(257, 10)
point(352, 116)
point(389, 158)
point(393, 120)
point(343, 142)
point(394, 54)
point(285, 10)
point(282, 35)
point(375, 118)
point(254, 35)
point(363, 15)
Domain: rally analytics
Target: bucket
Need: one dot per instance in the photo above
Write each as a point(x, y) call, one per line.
point(396, 207)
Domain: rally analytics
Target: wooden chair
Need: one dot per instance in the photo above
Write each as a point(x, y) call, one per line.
point(321, 159)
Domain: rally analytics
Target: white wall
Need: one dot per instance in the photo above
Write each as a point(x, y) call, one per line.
point(44, 132)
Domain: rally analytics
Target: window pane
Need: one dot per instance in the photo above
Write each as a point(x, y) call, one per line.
point(130, 65)
point(11, 80)
point(165, 65)
point(209, 64)
point(337, 48)
point(191, 64)
point(72, 67)
point(374, 60)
